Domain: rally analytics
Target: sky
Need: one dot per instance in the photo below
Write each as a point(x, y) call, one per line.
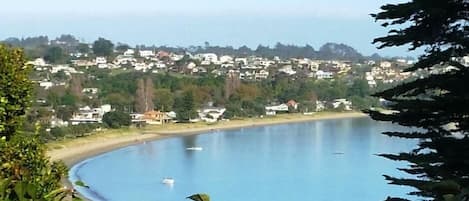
point(193, 22)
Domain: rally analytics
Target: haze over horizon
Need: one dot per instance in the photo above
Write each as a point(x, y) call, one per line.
point(219, 22)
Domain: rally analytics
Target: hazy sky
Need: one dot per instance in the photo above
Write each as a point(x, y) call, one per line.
point(192, 22)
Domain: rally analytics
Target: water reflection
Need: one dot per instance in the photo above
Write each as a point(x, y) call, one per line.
point(276, 163)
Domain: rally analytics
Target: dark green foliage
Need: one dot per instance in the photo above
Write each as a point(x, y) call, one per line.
point(116, 119)
point(119, 101)
point(25, 171)
point(359, 88)
point(55, 55)
point(122, 47)
point(72, 131)
point(163, 99)
point(185, 107)
point(103, 47)
point(83, 48)
point(338, 51)
point(65, 112)
point(15, 90)
point(437, 104)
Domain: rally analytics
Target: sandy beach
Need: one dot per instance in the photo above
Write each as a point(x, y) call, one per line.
point(72, 151)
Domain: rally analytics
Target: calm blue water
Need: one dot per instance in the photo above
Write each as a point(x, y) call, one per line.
point(327, 160)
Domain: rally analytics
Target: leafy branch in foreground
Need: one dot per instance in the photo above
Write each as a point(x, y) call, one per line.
point(25, 171)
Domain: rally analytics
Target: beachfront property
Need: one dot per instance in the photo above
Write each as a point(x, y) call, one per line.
point(347, 105)
point(89, 115)
point(273, 109)
point(151, 117)
point(211, 114)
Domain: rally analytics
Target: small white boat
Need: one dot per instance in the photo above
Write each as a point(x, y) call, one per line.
point(194, 148)
point(169, 181)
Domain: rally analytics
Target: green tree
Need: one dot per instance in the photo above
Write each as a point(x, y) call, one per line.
point(122, 47)
point(185, 107)
point(120, 101)
point(25, 171)
point(359, 88)
point(437, 103)
point(116, 119)
point(163, 99)
point(15, 89)
point(103, 47)
point(83, 48)
point(55, 55)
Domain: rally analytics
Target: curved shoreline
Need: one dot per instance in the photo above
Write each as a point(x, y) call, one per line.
point(78, 152)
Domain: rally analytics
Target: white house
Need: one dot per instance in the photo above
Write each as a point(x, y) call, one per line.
point(288, 69)
point(123, 59)
point(90, 90)
point(90, 115)
point(211, 114)
point(191, 65)
point(141, 67)
point(100, 60)
point(342, 101)
point(320, 105)
point(262, 74)
point(385, 64)
point(129, 52)
point(146, 53)
point(66, 69)
point(226, 59)
point(46, 84)
point(160, 65)
point(278, 108)
point(210, 57)
point(324, 74)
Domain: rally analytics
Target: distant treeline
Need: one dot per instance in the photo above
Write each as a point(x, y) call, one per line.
point(37, 46)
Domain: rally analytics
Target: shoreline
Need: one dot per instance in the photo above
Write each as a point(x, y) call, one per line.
point(81, 149)
point(85, 148)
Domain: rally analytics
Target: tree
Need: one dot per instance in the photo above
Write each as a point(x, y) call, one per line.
point(140, 97)
point(185, 107)
point(232, 83)
point(119, 101)
point(149, 106)
point(116, 119)
point(437, 103)
point(144, 96)
point(163, 99)
point(122, 47)
point(103, 47)
point(15, 89)
point(25, 171)
point(76, 86)
point(55, 55)
point(359, 88)
point(83, 48)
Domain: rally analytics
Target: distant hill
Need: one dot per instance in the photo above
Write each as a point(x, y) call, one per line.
point(328, 51)
point(338, 51)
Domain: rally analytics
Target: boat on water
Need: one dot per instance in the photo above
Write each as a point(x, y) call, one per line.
point(194, 148)
point(168, 180)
